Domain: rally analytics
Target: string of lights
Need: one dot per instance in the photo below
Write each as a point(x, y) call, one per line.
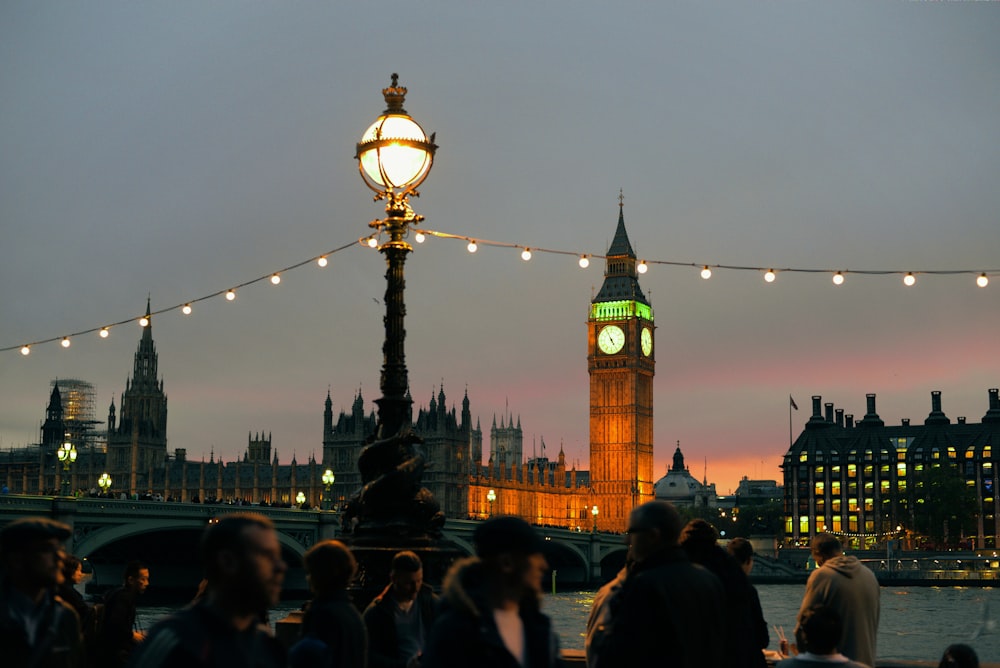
point(838, 276)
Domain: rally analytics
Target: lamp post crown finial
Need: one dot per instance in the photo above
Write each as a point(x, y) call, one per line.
point(394, 96)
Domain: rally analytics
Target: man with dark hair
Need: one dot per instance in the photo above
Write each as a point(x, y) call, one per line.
point(37, 628)
point(820, 631)
point(669, 611)
point(741, 551)
point(244, 571)
point(400, 618)
point(330, 617)
point(490, 615)
point(119, 634)
point(851, 589)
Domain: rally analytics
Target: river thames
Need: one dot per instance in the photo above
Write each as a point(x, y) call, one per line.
point(916, 624)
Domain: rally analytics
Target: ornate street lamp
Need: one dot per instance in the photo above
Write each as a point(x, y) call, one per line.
point(67, 455)
point(594, 511)
point(104, 482)
point(491, 496)
point(300, 499)
point(328, 479)
point(394, 157)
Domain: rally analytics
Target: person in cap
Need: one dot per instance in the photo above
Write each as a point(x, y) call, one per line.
point(490, 614)
point(37, 628)
point(399, 619)
point(670, 611)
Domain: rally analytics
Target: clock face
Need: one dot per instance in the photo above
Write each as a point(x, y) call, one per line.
point(611, 339)
point(647, 341)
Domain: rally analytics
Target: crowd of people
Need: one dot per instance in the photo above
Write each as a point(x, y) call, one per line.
point(681, 600)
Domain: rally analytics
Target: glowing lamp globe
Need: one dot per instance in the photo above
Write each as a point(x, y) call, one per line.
point(395, 154)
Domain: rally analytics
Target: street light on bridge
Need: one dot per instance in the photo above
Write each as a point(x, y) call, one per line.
point(104, 482)
point(300, 499)
point(328, 478)
point(491, 496)
point(67, 455)
point(594, 511)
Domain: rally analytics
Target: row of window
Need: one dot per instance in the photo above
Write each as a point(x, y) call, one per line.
point(900, 454)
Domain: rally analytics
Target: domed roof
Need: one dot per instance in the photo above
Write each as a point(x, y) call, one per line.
point(678, 483)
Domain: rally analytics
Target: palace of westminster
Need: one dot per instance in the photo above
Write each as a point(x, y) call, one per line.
point(853, 478)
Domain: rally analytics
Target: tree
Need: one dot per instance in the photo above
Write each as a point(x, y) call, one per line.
point(943, 504)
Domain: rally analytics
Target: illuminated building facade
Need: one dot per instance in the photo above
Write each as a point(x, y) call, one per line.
point(864, 479)
point(620, 360)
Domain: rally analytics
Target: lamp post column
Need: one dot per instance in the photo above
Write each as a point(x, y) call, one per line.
point(393, 406)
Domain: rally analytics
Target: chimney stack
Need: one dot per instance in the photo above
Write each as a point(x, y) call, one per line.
point(829, 412)
point(840, 417)
point(849, 420)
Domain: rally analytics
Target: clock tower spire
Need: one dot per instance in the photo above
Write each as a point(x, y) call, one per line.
point(620, 362)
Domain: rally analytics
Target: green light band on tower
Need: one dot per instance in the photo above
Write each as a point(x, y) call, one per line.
point(617, 310)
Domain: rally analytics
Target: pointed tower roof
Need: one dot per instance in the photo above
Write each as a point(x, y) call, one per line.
point(621, 281)
point(620, 245)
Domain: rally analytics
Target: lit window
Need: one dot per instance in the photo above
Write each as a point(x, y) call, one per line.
point(819, 469)
point(951, 452)
point(835, 488)
point(901, 470)
point(804, 457)
point(852, 470)
point(819, 488)
point(970, 453)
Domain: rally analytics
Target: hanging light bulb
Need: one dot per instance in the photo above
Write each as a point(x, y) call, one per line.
point(230, 295)
point(104, 332)
point(321, 261)
point(65, 342)
point(372, 241)
point(643, 267)
point(472, 246)
point(838, 278)
point(983, 280)
point(706, 273)
point(186, 309)
point(144, 321)
point(25, 350)
point(275, 279)
point(419, 237)
point(526, 254)
point(769, 276)
point(909, 279)
point(584, 261)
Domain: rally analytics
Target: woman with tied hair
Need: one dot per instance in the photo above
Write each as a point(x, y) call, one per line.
point(333, 633)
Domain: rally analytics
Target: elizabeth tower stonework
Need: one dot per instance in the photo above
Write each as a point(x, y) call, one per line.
point(620, 361)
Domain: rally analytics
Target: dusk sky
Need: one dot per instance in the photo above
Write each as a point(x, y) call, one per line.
point(176, 149)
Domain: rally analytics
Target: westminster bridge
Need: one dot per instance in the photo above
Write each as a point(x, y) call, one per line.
point(108, 533)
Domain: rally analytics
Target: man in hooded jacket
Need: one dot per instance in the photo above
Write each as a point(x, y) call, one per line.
point(851, 589)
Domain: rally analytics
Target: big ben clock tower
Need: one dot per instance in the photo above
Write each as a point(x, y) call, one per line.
point(620, 361)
